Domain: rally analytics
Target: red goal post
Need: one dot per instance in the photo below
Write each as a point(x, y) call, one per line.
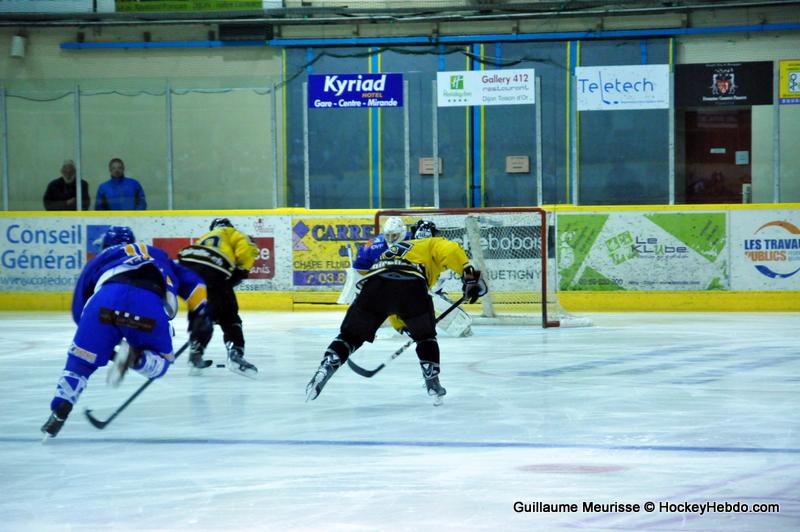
point(514, 248)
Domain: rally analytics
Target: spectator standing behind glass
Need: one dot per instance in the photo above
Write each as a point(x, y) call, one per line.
point(120, 193)
point(61, 194)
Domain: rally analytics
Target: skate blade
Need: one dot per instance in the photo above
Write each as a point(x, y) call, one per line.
point(249, 373)
point(311, 394)
point(195, 371)
point(46, 437)
point(438, 400)
point(311, 390)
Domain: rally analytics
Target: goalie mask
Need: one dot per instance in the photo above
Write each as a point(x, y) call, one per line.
point(394, 230)
point(424, 229)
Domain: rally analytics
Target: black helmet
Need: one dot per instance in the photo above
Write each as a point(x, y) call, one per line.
point(220, 222)
point(424, 229)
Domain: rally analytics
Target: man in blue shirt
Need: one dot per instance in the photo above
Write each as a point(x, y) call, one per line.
point(120, 193)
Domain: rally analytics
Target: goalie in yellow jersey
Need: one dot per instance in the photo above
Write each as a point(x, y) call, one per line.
point(223, 258)
point(397, 283)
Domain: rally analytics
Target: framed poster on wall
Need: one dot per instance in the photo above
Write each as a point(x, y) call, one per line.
point(709, 84)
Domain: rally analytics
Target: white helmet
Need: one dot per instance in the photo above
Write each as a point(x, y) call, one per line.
point(394, 230)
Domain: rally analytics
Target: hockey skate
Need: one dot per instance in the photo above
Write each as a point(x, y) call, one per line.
point(196, 361)
point(56, 420)
point(330, 363)
point(237, 363)
point(430, 371)
point(124, 358)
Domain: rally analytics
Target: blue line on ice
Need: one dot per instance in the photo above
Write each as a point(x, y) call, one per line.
point(399, 443)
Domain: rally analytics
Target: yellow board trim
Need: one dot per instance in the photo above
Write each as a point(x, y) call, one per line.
point(678, 208)
point(19, 301)
point(699, 301)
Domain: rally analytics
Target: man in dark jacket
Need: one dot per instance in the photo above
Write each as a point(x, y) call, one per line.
point(61, 194)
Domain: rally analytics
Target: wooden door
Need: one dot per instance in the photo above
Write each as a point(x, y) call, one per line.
point(718, 153)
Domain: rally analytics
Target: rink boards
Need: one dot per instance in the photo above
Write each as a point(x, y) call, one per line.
point(705, 257)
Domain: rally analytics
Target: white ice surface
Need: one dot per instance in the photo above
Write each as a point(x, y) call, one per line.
point(642, 407)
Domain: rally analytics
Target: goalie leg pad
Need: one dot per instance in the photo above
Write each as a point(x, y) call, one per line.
point(457, 323)
point(350, 289)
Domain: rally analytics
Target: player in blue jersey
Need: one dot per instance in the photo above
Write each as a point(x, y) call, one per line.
point(125, 298)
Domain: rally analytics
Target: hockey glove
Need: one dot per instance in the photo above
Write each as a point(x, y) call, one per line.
point(474, 286)
point(238, 276)
point(201, 328)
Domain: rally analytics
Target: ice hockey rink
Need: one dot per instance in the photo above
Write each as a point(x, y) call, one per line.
point(665, 408)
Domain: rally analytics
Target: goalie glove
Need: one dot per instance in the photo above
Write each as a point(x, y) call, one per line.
point(474, 286)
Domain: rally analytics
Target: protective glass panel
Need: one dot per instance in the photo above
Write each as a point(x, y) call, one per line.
point(510, 130)
point(222, 149)
point(129, 125)
point(41, 133)
point(623, 155)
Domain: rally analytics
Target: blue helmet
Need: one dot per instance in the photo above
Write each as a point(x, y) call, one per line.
point(118, 234)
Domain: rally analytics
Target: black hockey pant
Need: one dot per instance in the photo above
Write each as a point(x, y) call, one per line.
point(222, 305)
point(381, 297)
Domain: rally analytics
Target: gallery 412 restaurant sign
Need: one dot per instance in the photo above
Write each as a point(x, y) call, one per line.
point(354, 91)
point(698, 85)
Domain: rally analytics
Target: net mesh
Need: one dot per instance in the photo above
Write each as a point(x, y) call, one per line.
point(515, 251)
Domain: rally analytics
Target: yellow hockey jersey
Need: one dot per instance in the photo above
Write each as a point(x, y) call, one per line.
point(426, 258)
point(224, 248)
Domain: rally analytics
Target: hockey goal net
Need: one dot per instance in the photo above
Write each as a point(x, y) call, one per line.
point(515, 250)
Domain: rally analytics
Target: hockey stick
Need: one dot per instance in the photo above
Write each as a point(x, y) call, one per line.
point(371, 373)
point(100, 424)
